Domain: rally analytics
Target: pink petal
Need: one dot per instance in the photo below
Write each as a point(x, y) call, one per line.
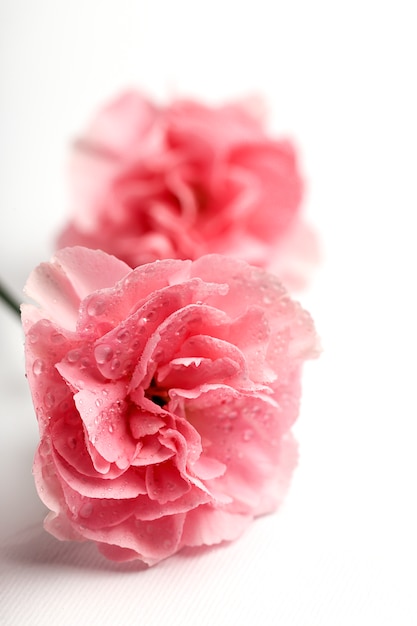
point(144, 423)
point(128, 485)
point(207, 526)
point(107, 426)
point(151, 541)
point(164, 483)
point(207, 468)
point(190, 372)
point(90, 270)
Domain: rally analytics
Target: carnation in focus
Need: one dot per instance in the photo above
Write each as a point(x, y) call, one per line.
point(151, 182)
point(164, 395)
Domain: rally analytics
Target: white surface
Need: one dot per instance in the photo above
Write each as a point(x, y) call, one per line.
point(340, 79)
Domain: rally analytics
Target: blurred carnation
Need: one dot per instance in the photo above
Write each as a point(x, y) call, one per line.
point(151, 182)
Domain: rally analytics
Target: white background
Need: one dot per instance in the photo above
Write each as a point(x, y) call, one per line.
point(340, 79)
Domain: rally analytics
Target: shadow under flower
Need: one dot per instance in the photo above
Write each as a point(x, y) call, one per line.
point(33, 546)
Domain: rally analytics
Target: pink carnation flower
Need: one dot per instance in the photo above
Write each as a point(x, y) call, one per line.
point(165, 397)
point(178, 182)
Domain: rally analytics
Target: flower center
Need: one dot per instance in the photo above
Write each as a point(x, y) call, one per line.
point(157, 395)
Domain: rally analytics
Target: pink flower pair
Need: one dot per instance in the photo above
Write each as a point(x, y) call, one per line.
point(165, 394)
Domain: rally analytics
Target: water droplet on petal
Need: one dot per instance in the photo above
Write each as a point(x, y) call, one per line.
point(57, 338)
point(103, 353)
point(73, 356)
point(123, 336)
point(111, 428)
point(86, 510)
point(96, 306)
point(33, 336)
point(38, 367)
point(247, 434)
point(98, 402)
point(49, 400)
point(115, 364)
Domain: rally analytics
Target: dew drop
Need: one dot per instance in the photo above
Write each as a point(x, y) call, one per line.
point(38, 367)
point(115, 364)
point(247, 434)
point(49, 400)
point(96, 306)
point(103, 353)
point(98, 402)
point(57, 338)
point(73, 356)
point(111, 428)
point(86, 510)
point(33, 336)
point(123, 336)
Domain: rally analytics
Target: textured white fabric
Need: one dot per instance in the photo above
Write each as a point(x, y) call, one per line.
point(340, 79)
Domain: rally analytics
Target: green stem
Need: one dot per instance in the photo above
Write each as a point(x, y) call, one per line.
point(9, 300)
